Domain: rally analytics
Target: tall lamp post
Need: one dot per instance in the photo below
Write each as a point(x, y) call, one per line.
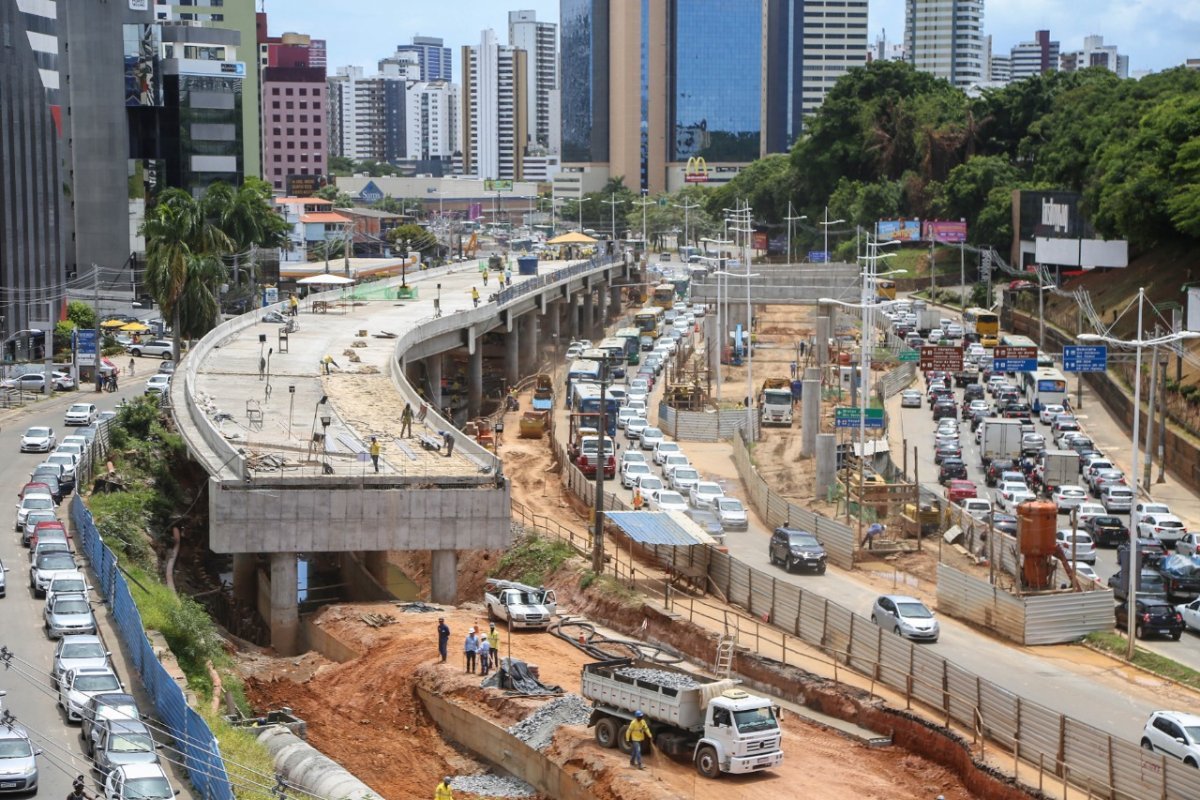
point(722, 334)
point(612, 204)
point(645, 201)
point(826, 225)
point(1137, 345)
point(790, 219)
point(687, 207)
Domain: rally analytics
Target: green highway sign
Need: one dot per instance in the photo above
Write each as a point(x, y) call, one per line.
point(849, 416)
point(910, 355)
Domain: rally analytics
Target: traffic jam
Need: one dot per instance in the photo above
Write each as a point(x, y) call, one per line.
point(1005, 433)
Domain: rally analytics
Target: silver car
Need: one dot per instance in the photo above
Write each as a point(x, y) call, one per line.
point(905, 616)
point(46, 567)
point(121, 742)
point(732, 514)
point(101, 708)
point(77, 686)
point(73, 652)
point(18, 762)
point(68, 614)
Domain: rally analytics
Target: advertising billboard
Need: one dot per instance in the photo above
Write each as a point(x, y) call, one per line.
point(936, 230)
point(904, 230)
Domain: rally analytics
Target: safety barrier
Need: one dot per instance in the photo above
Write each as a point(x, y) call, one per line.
point(194, 739)
point(704, 426)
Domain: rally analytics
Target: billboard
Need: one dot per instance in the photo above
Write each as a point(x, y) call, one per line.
point(761, 241)
point(936, 230)
point(904, 230)
point(1052, 215)
point(498, 185)
point(696, 170)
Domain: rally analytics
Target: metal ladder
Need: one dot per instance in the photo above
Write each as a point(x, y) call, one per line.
point(725, 651)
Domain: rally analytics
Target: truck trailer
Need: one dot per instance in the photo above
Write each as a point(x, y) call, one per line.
point(711, 722)
point(1001, 439)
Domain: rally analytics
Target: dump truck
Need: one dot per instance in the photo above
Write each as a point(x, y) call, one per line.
point(533, 424)
point(717, 726)
point(519, 605)
point(775, 402)
point(543, 392)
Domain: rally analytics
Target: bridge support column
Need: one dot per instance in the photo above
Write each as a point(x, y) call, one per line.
point(589, 317)
point(810, 417)
point(512, 343)
point(433, 371)
point(572, 317)
point(555, 313)
point(285, 615)
point(826, 464)
point(823, 334)
point(475, 381)
point(245, 578)
point(602, 303)
point(444, 576)
point(615, 307)
point(529, 343)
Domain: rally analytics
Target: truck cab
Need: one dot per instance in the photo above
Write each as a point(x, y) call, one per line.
point(519, 605)
point(741, 734)
point(775, 402)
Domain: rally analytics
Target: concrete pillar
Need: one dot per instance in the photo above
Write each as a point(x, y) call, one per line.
point(823, 334)
point(433, 370)
point(572, 317)
point(810, 417)
point(376, 563)
point(826, 464)
point(616, 307)
point(512, 363)
point(529, 343)
point(812, 373)
point(443, 576)
point(285, 615)
point(602, 302)
point(245, 578)
point(589, 318)
point(475, 381)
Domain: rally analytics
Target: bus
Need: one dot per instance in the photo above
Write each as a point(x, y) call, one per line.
point(583, 370)
point(663, 295)
point(585, 399)
point(633, 341)
point(1015, 340)
point(885, 289)
point(982, 325)
point(1047, 386)
point(650, 322)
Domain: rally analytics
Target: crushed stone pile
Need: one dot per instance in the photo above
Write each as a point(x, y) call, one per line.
point(492, 786)
point(674, 680)
point(537, 730)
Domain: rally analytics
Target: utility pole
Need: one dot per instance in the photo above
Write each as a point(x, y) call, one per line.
point(96, 308)
point(1162, 422)
point(687, 207)
point(790, 218)
point(601, 460)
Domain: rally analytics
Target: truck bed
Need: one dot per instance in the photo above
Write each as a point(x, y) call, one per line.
point(684, 708)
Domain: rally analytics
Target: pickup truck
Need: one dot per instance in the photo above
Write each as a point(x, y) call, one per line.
point(518, 605)
point(717, 726)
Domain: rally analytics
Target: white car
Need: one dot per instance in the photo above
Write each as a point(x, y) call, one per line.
point(732, 514)
point(649, 484)
point(936, 336)
point(1175, 733)
point(81, 414)
point(705, 494)
point(1188, 544)
point(910, 398)
point(1140, 509)
point(158, 384)
point(1008, 498)
point(905, 616)
point(684, 478)
point(638, 406)
point(1049, 412)
point(1088, 510)
point(634, 427)
point(665, 449)
point(38, 440)
point(977, 507)
point(631, 472)
point(631, 457)
point(626, 414)
point(30, 503)
point(1191, 614)
point(138, 782)
point(1117, 498)
point(1087, 571)
point(1076, 545)
point(667, 500)
point(650, 438)
point(674, 460)
point(77, 686)
point(1068, 497)
point(1167, 528)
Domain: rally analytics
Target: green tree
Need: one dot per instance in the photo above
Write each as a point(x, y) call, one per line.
point(965, 191)
point(81, 314)
point(245, 214)
point(339, 198)
point(341, 165)
point(766, 184)
point(408, 238)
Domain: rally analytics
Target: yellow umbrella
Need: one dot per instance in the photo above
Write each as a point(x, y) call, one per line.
point(135, 327)
point(112, 323)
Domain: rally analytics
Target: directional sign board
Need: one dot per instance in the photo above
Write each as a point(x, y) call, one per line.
point(849, 416)
point(1085, 358)
point(909, 355)
point(946, 359)
point(1014, 359)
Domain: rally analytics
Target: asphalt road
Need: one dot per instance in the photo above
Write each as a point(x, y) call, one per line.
point(30, 698)
point(1089, 691)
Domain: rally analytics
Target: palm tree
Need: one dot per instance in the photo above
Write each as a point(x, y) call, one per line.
point(199, 306)
point(245, 214)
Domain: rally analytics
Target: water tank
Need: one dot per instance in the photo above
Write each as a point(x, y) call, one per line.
point(527, 265)
point(1036, 525)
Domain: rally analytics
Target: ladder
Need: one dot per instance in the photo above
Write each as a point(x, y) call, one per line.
point(725, 651)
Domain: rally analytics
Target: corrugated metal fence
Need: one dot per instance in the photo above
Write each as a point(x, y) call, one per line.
point(897, 380)
point(704, 426)
point(201, 753)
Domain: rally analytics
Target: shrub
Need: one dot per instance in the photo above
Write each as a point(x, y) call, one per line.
point(534, 558)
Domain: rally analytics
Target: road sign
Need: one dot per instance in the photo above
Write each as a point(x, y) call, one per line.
point(1014, 359)
point(909, 355)
point(85, 347)
point(1085, 358)
point(849, 417)
point(948, 359)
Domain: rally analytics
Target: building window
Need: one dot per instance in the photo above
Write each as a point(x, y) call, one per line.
point(275, 104)
point(303, 104)
point(303, 159)
point(278, 158)
point(291, 159)
point(289, 104)
point(302, 91)
point(304, 117)
point(289, 118)
point(288, 92)
point(274, 91)
point(291, 131)
point(277, 131)
point(317, 105)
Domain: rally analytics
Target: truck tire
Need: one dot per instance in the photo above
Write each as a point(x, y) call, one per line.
point(606, 733)
point(707, 763)
point(624, 744)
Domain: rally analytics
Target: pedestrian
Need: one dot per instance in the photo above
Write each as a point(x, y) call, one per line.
point(493, 638)
point(475, 295)
point(443, 790)
point(485, 655)
point(500, 278)
point(508, 275)
point(470, 648)
point(112, 379)
point(448, 441)
point(637, 732)
point(375, 448)
point(77, 789)
point(406, 418)
point(443, 638)
point(872, 533)
point(638, 500)
point(484, 274)
point(132, 364)
point(293, 304)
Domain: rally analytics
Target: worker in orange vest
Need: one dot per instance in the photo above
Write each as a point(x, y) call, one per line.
point(638, 502)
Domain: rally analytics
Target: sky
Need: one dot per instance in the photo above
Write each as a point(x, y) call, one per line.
point(1155, 34)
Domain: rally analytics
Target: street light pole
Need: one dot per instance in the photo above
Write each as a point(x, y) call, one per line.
point(645, 201)
point(790, 218)
point(612, 204)
point(687, 207)
point(826, 225)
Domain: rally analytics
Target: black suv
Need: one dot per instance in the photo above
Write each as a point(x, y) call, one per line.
point(796, 549)
point(1106, 530)
point(952, 468)
point(1151, 616)
point(996, 468)
point(974, 391)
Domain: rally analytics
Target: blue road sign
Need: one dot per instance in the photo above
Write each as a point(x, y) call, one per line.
point(818, 257)
point(1085, 358)
point(1014, 365)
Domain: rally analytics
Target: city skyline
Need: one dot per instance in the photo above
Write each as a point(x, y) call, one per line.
point(1154, 34)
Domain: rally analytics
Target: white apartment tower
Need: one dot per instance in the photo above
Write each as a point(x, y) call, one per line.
point(432, 120)
point(494, 110)
point(835, 41)
point(539, 40)
point(366, 115)
point(945, 38)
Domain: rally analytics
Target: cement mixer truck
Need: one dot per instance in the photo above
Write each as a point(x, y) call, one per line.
point(775, 402)
point(711, 722)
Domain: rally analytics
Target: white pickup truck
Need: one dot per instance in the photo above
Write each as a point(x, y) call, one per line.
point(518, 605)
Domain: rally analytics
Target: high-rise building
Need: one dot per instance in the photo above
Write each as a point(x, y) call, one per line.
point(1034, 58)
point(945, 38)
point(33, 256)
point(493, 108)
point(644, 93)
point(433, 58)
point(295, 126)
point(540, 42)
point(366, 115)
point(432, 123)
point(1096, 53)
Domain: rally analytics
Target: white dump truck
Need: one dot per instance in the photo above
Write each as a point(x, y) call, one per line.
point(518, 605)
point(719, 727)
point(775, 402)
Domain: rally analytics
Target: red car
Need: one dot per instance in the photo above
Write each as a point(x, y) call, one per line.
point(958, 490)
point(47, 526)
point(33, 488)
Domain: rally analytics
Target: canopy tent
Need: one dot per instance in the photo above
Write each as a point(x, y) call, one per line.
point(113, 323)
point(134, 327)
point(574, 237)
point(325, 279)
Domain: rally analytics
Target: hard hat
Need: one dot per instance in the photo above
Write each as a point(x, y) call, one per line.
point(446, 780)
point(637, 714)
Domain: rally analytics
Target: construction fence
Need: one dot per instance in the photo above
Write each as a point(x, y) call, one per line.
point(705, 426)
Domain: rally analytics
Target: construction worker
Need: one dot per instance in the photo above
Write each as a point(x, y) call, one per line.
point(327, 362)
point(636, 733)
point(406, 420)
point(493, 637)
point(475, 296)
point(443, 790)
point(375, 450)
point(443, 637)
point(484, 274)
point(485, 655)
point(293, 304)
point(638, 501)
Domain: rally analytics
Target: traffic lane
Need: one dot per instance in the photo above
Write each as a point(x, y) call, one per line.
point(34, 705)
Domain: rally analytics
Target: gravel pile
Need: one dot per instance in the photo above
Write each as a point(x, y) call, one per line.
point(538, 728)
point(492, 786)
point(674, 680)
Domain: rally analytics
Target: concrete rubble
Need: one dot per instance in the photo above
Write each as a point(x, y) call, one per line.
point(492, 786)
point(663, 678)
point(537, 730)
